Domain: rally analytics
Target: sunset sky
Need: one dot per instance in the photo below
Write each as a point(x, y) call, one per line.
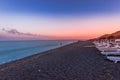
point(58, 19)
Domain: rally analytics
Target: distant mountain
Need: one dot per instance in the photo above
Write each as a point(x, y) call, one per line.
point(115, 35)
point(104, 36)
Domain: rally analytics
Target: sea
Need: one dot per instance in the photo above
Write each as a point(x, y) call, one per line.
point(14, 50)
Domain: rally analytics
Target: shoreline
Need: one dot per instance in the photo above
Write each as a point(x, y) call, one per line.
point(76, 61)
point(40, 53)
point(13, 54)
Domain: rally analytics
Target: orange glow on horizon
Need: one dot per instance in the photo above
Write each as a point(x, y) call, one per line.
point(61, 28)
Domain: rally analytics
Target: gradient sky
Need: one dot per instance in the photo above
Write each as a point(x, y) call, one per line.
point(58, 19)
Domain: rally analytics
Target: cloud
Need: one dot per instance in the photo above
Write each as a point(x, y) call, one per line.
point(17, 35)
point(14, 31)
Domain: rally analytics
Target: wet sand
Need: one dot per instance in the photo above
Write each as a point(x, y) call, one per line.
point(77, 61)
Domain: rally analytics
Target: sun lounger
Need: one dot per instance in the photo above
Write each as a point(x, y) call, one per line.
point(114, 58)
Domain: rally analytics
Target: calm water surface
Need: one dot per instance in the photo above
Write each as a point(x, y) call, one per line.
point(13, 50)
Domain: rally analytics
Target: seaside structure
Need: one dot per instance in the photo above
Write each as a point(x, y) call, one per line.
point(109, 47)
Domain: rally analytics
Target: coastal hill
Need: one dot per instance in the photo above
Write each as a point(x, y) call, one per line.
point(115, 35)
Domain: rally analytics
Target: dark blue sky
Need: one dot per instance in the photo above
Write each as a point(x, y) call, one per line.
point(68, 19)
point(60, 6)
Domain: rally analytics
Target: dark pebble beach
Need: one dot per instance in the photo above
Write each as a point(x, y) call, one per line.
point(76, 61)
